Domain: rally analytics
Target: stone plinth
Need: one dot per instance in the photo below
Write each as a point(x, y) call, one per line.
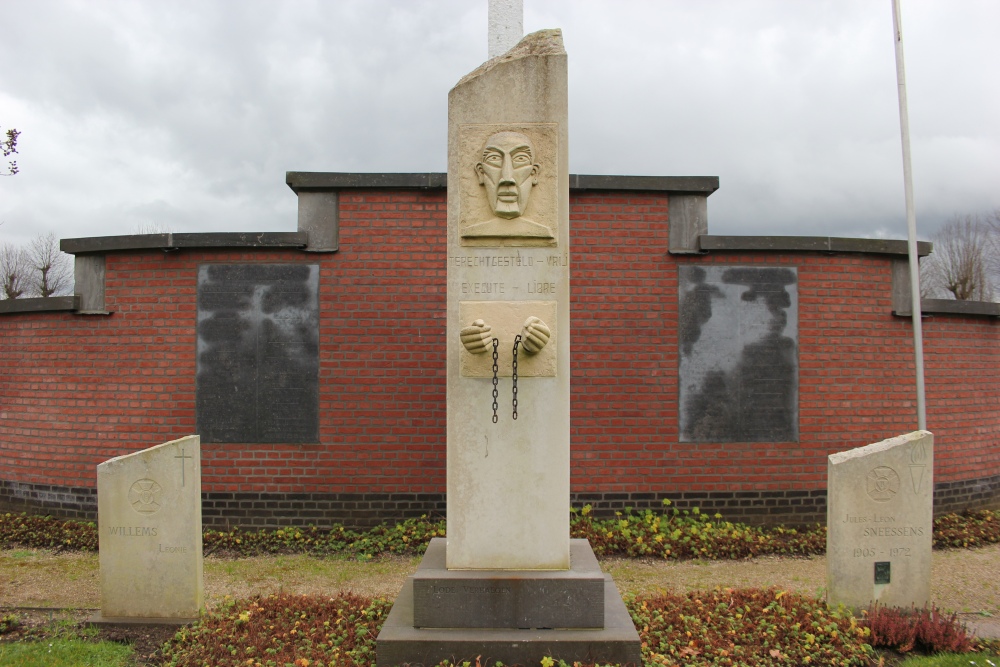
point(571, 598)
point(879, 521)
point(613, 640)
point(149, 523)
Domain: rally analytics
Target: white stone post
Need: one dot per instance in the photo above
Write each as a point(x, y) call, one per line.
point(506, 21)
point(149, 523)
point(508, 262)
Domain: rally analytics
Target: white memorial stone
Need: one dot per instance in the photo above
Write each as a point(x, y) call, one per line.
point(508, 276)
point(149, 523)
point(879, 523)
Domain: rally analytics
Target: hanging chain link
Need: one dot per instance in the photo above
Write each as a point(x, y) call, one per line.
point(517, 341)
point(496, 368)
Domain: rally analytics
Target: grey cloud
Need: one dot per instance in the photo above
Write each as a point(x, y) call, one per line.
point(193, 111)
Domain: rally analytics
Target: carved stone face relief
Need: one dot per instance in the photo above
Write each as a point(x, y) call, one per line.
point(507, 171)
point(508, 190)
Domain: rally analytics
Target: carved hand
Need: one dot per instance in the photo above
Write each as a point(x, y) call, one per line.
point(477, 337)
point(534, 335)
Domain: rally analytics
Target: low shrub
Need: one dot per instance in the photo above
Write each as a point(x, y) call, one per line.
point(746, 627)
point(9, 623)
point(972, 528)
point(409, 537)
point(283, 629)
point(724, 627)
point(45, 532)
point(925, 629)
point(690, 534)
point(673, 533)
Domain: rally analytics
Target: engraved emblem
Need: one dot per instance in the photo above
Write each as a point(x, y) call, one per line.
point(144, 496)
point(918, 460)
point(883, 484)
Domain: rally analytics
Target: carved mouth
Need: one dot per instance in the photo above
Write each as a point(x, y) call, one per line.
point(507, 195)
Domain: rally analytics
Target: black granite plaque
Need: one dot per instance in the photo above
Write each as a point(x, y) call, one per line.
point(882, 572)
point(258, 353)
point(738, 335)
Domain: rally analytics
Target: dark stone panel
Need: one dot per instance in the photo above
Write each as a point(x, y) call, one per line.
point(738, 367)
point(258, 353)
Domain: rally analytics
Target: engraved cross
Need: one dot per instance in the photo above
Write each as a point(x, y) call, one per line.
point(182, 456)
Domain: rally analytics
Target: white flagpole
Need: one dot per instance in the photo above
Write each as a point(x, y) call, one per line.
point(911, 218)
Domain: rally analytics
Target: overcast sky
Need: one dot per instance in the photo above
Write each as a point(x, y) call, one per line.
point(186, 115)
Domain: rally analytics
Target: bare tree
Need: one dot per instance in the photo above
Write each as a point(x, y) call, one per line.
point(8, 147)
point(14, 270)
point(965, 262)
point(52, 269)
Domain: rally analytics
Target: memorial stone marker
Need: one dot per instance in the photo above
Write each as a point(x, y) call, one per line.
point(149, 523)
point(879, 520)
point(508, 584)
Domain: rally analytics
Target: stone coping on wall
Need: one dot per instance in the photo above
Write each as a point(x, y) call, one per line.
point(827, 244)
point(322, 181)
point(169, 242)
point(953, 307)
point(39, 305)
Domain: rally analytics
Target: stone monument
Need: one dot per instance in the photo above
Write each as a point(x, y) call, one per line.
point(879, 520)
point(508, 584)
point(149, 523)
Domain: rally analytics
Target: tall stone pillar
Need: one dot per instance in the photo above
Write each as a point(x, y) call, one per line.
point(508, 276)
point(508, 584)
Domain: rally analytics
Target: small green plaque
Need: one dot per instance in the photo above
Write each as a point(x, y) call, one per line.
point(882, 572)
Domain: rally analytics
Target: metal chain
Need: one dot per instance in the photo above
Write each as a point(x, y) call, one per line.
point(517, 341)
point(496, 368)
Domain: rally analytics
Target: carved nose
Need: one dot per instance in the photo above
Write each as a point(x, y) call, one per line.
point(507, 171)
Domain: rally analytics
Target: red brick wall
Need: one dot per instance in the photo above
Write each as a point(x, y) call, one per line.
point(76, 390)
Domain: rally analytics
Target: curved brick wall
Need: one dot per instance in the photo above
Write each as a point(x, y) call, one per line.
point(76, 390)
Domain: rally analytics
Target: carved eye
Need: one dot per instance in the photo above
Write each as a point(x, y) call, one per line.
point(494, 159)
point(521, 159)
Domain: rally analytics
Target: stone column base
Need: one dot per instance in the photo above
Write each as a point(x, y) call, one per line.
point(617, 641)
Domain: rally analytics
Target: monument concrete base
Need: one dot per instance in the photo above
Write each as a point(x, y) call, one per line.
point(440, 613)
point(516, 599)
